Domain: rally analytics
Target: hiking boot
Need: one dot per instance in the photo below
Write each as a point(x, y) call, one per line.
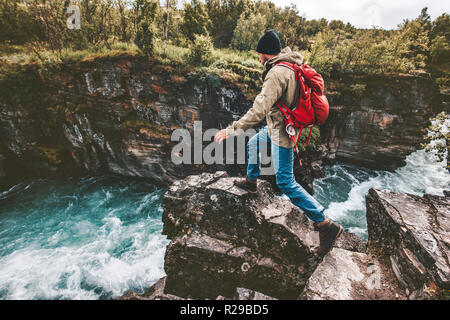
point(246, 184)
point(328, 233)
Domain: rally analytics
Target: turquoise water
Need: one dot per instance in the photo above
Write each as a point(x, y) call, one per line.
point(97, 237)
point(80, 238)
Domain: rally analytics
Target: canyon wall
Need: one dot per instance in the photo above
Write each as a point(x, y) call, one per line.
point(116, 115)
point(376, 121)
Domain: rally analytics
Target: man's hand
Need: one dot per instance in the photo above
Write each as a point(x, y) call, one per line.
point(220, 136)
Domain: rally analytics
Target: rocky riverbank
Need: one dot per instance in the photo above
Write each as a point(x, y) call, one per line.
point(228, 244)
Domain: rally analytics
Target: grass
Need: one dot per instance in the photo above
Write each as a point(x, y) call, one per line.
point(116, 49)
point(30, 54)
point(245, 58)
point(175, 53)
point(243, 63)
point(241, 68)
point(169, 53)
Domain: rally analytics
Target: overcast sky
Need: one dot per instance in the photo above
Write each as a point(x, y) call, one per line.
point(363, 13)
point(366, 13)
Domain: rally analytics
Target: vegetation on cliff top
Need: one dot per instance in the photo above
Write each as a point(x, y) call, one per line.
point(438, 138)
point(217, 36)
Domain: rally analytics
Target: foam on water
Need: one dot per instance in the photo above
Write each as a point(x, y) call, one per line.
point(84, 238)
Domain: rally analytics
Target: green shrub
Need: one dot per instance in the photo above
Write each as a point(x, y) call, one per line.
point(313, 141)
point(200, 52)
point(144, 38)
point(358, 89)
point(438, 136)
point(220, 64)
point(169, 51)
point(248, 30)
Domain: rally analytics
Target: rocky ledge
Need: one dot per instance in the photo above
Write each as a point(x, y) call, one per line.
point(414, 233)
point(229, 244)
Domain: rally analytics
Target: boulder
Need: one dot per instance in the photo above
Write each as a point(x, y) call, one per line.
point(202, 267)
point(347, 275)
point(414, 232)
point(224, 238)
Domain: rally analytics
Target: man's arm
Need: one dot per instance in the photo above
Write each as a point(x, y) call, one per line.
point(272, 90)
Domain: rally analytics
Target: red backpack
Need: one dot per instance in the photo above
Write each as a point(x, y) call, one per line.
point(310, 106)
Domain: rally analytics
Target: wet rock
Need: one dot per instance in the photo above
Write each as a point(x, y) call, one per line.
point(155, 292)
point(346, 275)
point(224, 238)
point(415, 233)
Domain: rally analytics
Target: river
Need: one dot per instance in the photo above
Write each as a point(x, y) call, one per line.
point(97, 237)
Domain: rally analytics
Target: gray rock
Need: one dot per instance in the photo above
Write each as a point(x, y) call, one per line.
point(158, 292)
point(201, 267)
point(415, 233)
point(380, 126)
point(155, 292)
point(224, 238)
point(247, 294)
point(346, 275)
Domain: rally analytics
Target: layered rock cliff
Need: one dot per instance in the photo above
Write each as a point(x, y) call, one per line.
point(117, 115)
point(114, 115)
point(224, 239)
point(376, 121)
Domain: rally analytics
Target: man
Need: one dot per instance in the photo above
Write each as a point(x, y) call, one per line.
point(279, 82)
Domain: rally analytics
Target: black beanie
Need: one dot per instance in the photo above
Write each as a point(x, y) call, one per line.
point(269, 43)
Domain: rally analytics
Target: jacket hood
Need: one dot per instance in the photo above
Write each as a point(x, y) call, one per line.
point(287, 55)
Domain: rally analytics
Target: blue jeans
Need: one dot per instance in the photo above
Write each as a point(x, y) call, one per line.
point(283, 161)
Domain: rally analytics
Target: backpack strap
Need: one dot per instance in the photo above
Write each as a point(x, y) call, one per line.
point(297, 71)
point(314, 110)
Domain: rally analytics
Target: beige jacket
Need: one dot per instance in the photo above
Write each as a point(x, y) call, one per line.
point(279, 82)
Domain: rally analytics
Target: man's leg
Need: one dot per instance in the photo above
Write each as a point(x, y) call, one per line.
point(283, 160)
point(254, 146)
point(329, 231)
